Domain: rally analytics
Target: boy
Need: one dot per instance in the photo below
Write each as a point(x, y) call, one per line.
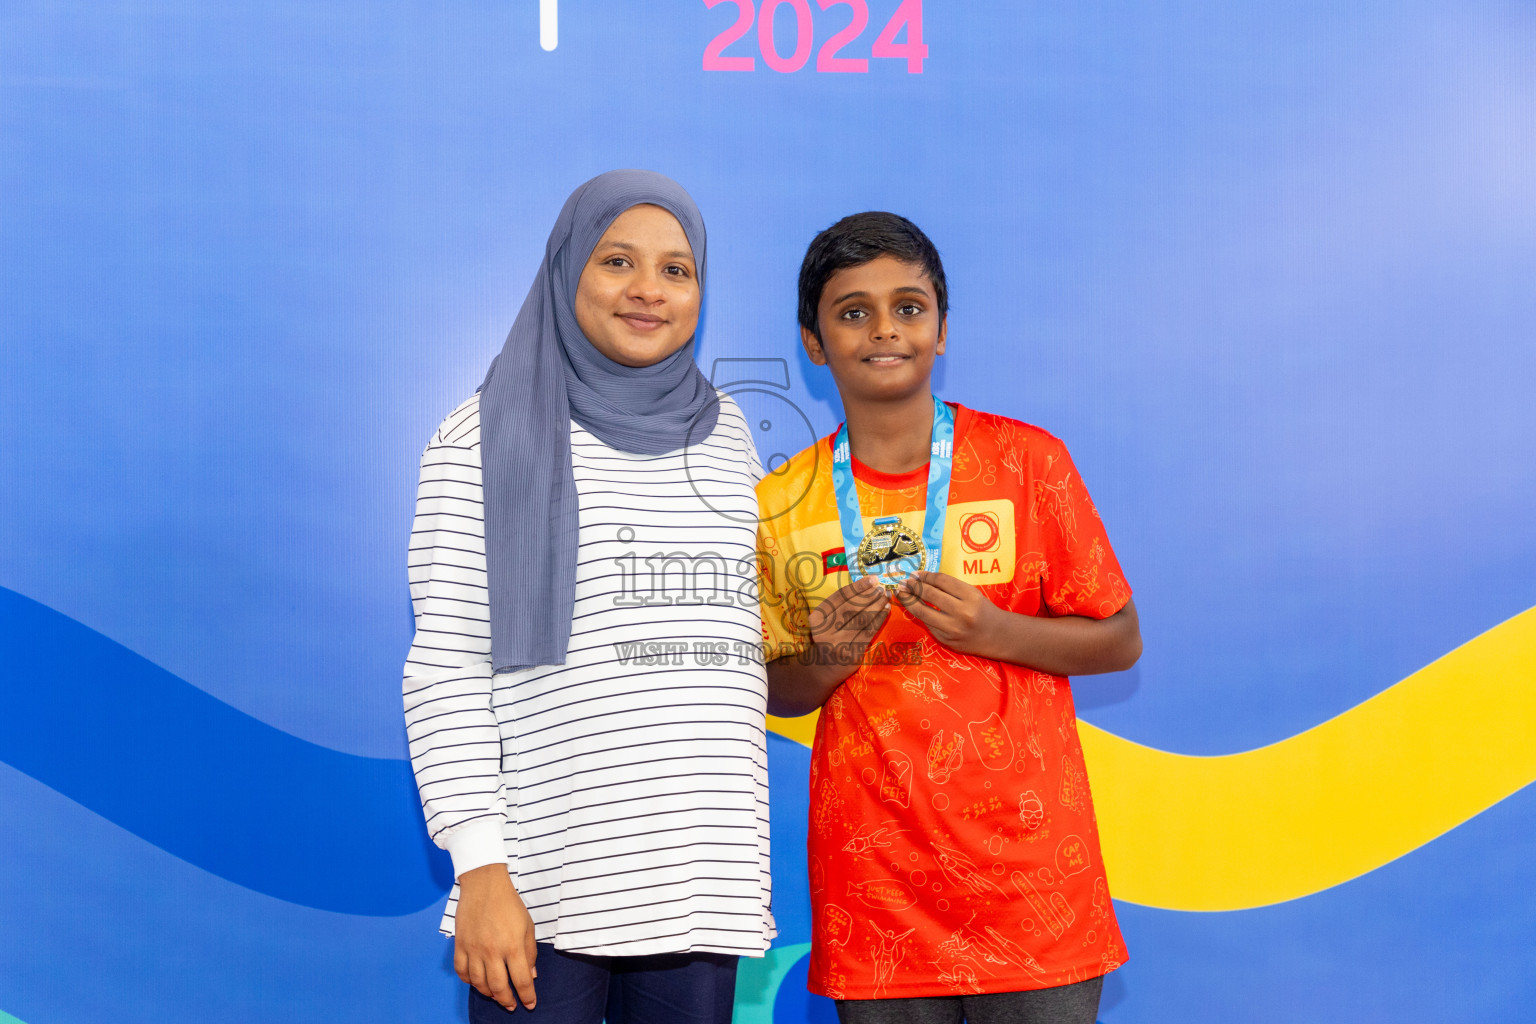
point(931, 574)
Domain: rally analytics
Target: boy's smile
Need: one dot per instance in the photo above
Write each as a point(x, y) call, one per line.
point(880, 330)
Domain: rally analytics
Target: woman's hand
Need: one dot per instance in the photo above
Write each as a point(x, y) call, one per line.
point(493, 937)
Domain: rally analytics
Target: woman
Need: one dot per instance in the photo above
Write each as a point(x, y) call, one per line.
point(602, 793)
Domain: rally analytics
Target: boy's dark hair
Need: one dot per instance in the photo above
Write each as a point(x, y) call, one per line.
point(859, 239)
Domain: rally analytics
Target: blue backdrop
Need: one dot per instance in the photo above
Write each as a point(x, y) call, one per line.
point(1266, 267)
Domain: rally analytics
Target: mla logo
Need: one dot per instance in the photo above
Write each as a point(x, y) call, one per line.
point(979, 542)
point(980, 532)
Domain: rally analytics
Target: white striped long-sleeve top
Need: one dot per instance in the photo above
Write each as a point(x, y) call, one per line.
point(626, 790)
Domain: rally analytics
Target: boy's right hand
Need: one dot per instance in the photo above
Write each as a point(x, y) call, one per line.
point(851, 617)
point(841, 628)
point(493, 937)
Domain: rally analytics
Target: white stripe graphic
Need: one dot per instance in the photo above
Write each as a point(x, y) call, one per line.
point(549, 24)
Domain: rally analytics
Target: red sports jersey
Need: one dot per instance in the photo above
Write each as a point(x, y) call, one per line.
point(953, 846)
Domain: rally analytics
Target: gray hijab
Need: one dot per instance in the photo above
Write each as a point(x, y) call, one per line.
point(548, 374)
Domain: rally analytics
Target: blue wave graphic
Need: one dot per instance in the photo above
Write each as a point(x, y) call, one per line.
point(205, 782)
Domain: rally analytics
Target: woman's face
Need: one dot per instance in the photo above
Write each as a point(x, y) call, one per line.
point(638, 298)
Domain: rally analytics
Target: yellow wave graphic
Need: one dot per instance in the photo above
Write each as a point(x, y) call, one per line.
point(1324, 806)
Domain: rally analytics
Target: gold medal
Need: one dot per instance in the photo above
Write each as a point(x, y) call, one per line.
point(891, 551)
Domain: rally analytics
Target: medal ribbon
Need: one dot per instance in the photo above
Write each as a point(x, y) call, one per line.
point(941, 454)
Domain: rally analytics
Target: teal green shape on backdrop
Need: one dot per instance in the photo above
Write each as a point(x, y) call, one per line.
point(757, 982)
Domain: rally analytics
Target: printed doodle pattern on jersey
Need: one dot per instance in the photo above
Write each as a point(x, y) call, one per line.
point(952, 838)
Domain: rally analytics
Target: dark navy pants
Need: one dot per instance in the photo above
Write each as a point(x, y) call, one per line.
point(1066, 1004)
point(573, 988)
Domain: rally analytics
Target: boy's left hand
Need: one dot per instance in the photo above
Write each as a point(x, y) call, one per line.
point(958, 615)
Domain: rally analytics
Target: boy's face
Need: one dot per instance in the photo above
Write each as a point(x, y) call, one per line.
point(880, 330)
